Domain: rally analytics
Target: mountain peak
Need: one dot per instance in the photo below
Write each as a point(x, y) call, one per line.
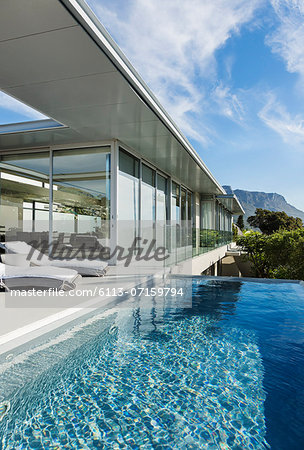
point(272, 201)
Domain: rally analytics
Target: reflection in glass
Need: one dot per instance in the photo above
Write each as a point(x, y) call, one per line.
point(148, 204)
point(207, 214)
point(189, 206)
point(175, 203)
point(24, 196)
point(161, 212)
point(148, 194)
point(183, 217)
point(128, 198)
point(81, 192)
point(189, 224)
point(175, 216)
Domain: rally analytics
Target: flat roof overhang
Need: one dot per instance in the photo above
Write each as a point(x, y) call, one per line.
point(232, 203)
point(57, 58)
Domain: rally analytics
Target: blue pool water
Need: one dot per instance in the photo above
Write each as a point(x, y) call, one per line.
point(220, 369)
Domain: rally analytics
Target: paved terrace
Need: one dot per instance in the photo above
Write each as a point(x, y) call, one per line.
point(23, 318)
point(26, 317)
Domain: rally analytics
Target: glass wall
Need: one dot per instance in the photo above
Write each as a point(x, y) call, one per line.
point(207, 214)
point(183, 204)
point(141, 185)
point(190, 208)
point(223, 218)
point(24, 196)
point(175, 216)
point(162, 202)
point(228, 221)
point(81, 193)
point(148, 203)
point(162, 211)
point(81, 201)
point(217, 215)
point(184, 224)
point(175, 203)
point(148, 194)
point(128, 198)
point(190, 223)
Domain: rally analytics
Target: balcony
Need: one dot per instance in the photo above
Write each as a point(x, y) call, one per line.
point(205, 240)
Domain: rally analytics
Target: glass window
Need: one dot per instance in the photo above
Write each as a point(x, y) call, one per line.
point(207, 214)
point(184, 224)
point(222, 221)
point(128, 198)
point(229, 221)
point(175, 216)
point(217, 216)
point(128, 187)
point(82, 193)
point(183, 204)
point(128, 164)
point(161, 206)
point(189, 207)
point(148, 194)
point(23, 188)
point(175, 202)
point(148, 175)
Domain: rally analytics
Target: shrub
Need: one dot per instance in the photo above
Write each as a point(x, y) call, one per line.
point(279, 255)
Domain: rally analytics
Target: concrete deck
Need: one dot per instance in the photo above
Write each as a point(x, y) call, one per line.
point(25, 318)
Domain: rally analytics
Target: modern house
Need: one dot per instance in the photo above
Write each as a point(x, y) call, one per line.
point(108, 164)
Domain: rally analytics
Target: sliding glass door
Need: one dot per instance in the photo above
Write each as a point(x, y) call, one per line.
point(162, 199)
point(81, 194)
point(148, 204)
point(162, 211)
point(128, 199)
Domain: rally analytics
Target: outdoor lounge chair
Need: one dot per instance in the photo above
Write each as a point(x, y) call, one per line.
point(14, 277)
point(95, 268)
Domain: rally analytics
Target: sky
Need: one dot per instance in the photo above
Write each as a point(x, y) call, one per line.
point(231, 75)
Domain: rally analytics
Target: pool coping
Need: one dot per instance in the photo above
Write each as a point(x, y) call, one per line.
point(240, 279)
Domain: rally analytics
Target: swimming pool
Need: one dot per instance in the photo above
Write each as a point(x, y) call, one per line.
point(220, 368)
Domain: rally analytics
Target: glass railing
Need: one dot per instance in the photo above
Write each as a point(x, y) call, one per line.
point(204, 240)
point(184, 242)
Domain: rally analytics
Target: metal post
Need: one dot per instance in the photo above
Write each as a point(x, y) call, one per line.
point(50, 201)
point(114, 198)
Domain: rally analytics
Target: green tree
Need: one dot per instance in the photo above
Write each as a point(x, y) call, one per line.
point(240, 222)
point(254, 244)
point(279, 255)
point(235, 232)
point(271, 221)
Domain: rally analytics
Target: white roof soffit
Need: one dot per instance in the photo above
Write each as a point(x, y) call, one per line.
point(232, 203)
point(58, 58)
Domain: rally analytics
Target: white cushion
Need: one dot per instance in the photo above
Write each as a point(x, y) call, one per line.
point(41, 271)
point(2, 269)
point(16, 259)
point(83, 267)
point(18, 247)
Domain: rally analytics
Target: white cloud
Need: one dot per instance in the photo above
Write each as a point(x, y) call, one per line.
point(229, 105)
point(288, 39)
point(276, 117)
point(12, 104)
point(172, 44)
